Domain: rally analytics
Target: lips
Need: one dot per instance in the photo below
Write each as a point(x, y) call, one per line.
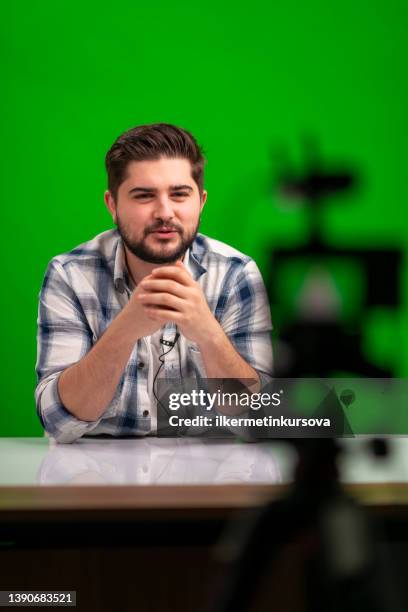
point(165, 231)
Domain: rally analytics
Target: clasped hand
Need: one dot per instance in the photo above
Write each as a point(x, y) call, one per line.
point(170, 294)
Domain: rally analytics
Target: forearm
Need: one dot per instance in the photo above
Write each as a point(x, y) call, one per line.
point(87, 387)
point(222, 360)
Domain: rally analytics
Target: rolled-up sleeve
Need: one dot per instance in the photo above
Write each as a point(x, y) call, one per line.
point(247, 320)
point(63, 338)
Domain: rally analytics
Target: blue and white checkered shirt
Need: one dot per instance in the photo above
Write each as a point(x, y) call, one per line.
point(85, 289)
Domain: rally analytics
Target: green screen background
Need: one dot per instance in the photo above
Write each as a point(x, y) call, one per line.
point(245, 80)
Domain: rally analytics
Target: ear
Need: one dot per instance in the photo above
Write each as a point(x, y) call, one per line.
point(111, 205)
point(203, 200)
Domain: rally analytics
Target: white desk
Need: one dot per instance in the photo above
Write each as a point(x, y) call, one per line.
point(147, 470)
point(156, 461)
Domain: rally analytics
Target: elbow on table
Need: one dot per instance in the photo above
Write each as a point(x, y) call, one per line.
point(58, 423)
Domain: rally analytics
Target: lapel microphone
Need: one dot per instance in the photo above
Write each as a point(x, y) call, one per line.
point(170, 342)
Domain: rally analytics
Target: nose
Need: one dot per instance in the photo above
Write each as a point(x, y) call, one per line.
point(164, 208)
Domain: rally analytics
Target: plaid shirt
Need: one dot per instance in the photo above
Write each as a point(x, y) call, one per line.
point(85, 289)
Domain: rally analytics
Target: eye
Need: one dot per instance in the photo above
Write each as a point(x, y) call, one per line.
point(179, 194)
point(142, 196)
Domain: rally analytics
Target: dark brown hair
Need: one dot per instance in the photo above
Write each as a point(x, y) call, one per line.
point(150, 142)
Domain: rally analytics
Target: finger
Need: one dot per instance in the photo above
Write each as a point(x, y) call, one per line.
point(174, 272)
point(164, 286)
point(164, 315)
point(161, 299)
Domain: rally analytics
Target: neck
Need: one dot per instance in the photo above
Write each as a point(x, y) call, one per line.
point(138, 268)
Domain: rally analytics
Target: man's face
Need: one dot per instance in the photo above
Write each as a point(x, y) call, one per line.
point(157, 209)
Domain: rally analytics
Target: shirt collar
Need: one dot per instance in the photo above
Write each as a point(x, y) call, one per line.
point(196, 256)
point(120, 272)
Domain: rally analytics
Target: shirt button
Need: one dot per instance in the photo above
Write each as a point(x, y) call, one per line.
point(145, 413)
point(140, 365)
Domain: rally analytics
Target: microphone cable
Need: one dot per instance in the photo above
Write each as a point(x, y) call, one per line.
point(161, 359)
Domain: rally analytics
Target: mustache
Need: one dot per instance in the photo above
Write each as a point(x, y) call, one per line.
point(155, 228)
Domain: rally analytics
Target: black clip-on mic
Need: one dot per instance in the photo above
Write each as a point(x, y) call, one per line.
point(170, 342)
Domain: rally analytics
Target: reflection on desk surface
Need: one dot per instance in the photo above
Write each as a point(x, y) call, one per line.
point(138, 461)
point(158, 461)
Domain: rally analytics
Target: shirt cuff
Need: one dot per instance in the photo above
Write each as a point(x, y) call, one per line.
point(264, 379)
point(58, 422)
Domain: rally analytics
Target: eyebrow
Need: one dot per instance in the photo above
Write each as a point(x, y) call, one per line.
point(151, 190)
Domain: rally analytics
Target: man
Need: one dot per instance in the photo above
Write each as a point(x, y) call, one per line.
point(150, 297)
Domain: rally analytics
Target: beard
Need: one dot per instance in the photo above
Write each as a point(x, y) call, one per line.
point(162, 253)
